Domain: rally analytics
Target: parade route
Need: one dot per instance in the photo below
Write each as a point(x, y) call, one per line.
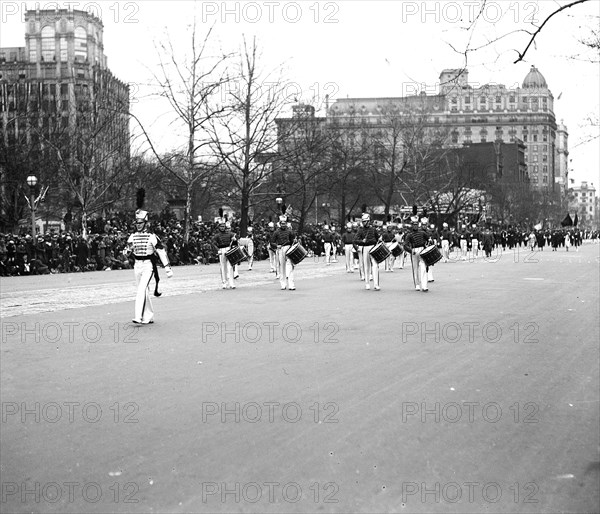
point(480, 396)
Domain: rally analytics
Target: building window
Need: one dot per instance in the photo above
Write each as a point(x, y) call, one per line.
point(545, 169)
point(535, 148)
point(545, 179)
point(80, 44)
point(525, 138)
point(32, 51)
point(63, 49)
point(535, 137)
point(467, 99)
point(48, 43)
point(526, 157)
point(544, 158)
point(535, 158)
point(544, 137)
point(591, 208)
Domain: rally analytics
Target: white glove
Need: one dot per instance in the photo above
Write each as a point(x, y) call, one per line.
point(169, 271)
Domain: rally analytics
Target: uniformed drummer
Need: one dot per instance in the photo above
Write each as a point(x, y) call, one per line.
point(367, 238)
point(224, 240)
point(389, 239)
point(283, 239)
point(415, 242)
point(347, 239)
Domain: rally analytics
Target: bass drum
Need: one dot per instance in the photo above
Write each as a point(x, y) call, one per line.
point(380, 252)
point(236, 255)
point(431, 255)
point(397, 249)
point(296, 253)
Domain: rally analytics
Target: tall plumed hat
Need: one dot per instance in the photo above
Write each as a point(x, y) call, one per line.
point(283, 217)
point(414, 218)
point(140, 214)
point(365, 215)
point(424, 217)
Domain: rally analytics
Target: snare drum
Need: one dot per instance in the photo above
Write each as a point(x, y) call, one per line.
point(296, 253)
point(397, 249)
point(431, 255)
point(236, 255)
point(380, 252)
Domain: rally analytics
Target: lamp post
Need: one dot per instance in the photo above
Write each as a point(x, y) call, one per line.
point(31, 182)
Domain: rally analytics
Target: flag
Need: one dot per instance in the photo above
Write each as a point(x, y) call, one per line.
point(538, 226)
point(567, 222)
point(575, 221)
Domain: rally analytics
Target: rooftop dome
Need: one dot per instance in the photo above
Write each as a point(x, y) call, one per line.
point(534, 79)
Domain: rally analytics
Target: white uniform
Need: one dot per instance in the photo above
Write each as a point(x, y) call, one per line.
point(144, 245)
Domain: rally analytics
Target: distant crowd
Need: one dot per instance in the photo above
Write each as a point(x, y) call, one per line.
point(67, 252)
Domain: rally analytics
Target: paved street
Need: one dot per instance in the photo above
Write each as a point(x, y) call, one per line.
point(480, 396)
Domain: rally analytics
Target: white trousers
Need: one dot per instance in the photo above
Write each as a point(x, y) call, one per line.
point(286, 268)
point(273, 260)
point(143, 306)
point(250, 249)
point(225, 267)
point(463, 249)
point(474, 247)
point(327, 252)
point(348, 254)
point(445, 249)
point(419, 268)
point(370, 266)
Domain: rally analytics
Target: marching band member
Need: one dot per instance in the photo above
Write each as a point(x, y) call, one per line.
point(389, 238)
point(327, 240)
point(475, 237)
point(399, 237)
point(347, 239)
point(143, 244)
point(356, 259)
point(272, 249)
point(250, 248)
point(415, 242)
point(446, 236)
point(463, 243)
point(283, 239)
point(224, 240)
point(366, 238)
point(434, 238)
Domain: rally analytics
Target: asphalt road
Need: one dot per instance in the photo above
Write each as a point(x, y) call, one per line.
point(479, 396)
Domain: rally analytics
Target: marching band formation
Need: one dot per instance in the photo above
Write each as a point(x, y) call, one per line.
point(366, 245)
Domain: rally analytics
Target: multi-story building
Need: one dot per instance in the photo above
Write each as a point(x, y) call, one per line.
point(57, 92)
point(468, 114)
point(585, 204)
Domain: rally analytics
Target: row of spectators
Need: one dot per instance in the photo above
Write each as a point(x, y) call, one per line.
point(103, 249)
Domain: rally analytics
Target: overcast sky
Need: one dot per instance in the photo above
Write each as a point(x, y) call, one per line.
point(363, 49)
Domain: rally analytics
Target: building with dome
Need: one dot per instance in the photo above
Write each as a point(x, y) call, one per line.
point(468, 114)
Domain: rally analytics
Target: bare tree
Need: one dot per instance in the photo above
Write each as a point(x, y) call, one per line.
point(304, 161)
point(192, 86)
point(247, 133)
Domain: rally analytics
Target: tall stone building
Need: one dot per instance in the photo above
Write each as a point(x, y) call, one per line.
point(57, 92)
point(584, 204)
point(469, 114)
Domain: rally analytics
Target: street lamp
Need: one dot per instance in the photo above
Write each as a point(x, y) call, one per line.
point(31, 182)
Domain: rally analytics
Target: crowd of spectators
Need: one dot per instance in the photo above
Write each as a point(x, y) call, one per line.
point(102, 249)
